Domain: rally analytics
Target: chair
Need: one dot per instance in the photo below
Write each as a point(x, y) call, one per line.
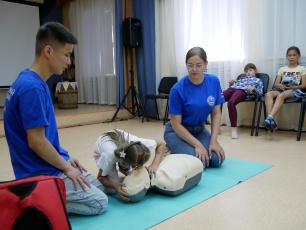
point(164, 87)
point(301, 119)
point(302, 101)
point(265, 80)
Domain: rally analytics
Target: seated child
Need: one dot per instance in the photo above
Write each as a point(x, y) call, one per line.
point(289, 82)
point(247, 86)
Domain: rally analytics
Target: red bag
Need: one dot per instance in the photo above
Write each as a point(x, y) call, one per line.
point(37, 202)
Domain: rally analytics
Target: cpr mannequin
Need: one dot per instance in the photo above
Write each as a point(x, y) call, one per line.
point(176, 174)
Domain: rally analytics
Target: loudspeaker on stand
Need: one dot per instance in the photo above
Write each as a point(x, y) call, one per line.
point(131, 32)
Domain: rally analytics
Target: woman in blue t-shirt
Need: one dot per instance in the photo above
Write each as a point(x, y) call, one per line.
point(192, 100)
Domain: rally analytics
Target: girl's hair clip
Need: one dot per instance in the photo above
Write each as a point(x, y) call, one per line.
point(122, 154)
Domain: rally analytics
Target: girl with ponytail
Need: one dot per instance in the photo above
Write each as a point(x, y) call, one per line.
point(119, 148)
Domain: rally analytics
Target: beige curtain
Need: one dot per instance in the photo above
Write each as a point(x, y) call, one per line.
point(127, 13)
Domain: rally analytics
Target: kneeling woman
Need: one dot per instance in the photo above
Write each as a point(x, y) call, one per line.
point(129, 151)
point(192, 100)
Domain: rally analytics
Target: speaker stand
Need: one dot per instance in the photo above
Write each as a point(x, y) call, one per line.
point(137, 107)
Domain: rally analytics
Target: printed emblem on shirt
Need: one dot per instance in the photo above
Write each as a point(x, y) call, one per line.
point(10, 93)
point(291, 74)
point(290, 78)
point(211, 100)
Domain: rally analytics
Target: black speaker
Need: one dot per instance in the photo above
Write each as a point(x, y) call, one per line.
point(131, 32)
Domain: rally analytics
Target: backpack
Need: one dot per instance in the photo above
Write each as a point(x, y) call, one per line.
point(37, 202)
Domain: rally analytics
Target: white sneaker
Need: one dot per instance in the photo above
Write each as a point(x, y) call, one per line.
point(234, 133)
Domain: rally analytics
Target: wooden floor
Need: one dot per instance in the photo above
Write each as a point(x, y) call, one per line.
point(272, 200)
point(82, 115)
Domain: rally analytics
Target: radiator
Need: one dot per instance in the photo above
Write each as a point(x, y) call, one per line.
point(222, 72)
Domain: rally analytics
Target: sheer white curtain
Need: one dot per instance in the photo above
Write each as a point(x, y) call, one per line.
point(219, 26)
point(92, 22)
point(283, 26)
point(232, 33)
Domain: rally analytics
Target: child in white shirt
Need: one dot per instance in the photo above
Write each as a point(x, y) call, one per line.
point(129, 151)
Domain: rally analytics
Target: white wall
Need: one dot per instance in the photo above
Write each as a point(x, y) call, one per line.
point(18, 26)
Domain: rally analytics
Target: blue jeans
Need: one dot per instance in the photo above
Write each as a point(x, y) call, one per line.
point(178, 146)
point(92, 201)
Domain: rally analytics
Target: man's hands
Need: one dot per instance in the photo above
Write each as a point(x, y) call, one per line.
point(75, 173)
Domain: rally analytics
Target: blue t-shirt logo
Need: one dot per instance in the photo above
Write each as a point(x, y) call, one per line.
point(211, 100)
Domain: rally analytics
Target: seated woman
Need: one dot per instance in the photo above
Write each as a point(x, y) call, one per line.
point(192, 100)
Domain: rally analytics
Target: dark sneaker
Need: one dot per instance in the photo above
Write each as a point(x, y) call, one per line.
point(266, 124)
point(269, 124)
point(273, 125)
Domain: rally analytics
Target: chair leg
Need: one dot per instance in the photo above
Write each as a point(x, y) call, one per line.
point(258, 117)
point(265, 115)
point(265, 111)
point(301, 120)
point(254, 116)
point(156, 109)
point(166, 112)
point(221, 107)
point(143, 116)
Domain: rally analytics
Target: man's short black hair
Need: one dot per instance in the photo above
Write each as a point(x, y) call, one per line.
point(53, 34)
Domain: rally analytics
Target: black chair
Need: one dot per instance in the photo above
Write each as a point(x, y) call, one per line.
point(301, 119)
point(164, 87)
point(265, 80)
point(302, 102)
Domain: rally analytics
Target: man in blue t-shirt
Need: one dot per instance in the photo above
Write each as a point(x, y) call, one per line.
point(30, 124)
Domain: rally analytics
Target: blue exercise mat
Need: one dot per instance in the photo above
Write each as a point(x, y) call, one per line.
point(156, 207)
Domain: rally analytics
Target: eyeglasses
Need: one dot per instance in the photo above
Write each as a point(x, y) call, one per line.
point(196, 66)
